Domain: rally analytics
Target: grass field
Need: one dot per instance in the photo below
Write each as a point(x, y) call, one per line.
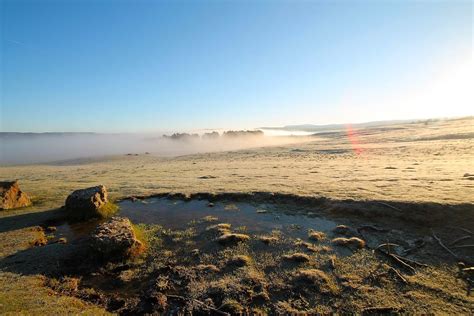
point(431, 161)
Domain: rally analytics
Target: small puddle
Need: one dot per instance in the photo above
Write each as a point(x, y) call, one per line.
point(179, 214)
point(257, 219)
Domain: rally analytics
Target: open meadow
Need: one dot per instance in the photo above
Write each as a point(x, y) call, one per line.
point(407, 185)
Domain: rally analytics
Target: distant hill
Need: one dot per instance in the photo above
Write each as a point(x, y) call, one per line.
point(316, 128)
point(52, 134)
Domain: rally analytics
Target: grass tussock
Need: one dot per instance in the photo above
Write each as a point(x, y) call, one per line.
point(40, 241)
point(352, 242)
point(297, 257)
point(220, 229)
point(209, 219)
point(316, 235)
point(232, 238)
point(231, 306)
point(341, 229)
point(315, 278)
point(207, 268)
point(141, 245)
point(268, 239)
point(240, 261)
point(65, 285)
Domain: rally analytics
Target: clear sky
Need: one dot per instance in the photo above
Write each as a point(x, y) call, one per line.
point(143, 66)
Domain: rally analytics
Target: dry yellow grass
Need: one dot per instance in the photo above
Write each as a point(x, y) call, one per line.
point(412, 162)
point(415, 163)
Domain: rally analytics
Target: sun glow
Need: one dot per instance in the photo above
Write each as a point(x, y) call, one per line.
point(449, 93)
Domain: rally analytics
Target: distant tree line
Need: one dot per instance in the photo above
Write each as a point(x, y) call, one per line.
point(214, 135)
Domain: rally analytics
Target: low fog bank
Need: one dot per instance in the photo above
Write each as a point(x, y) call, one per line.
point(29, 148)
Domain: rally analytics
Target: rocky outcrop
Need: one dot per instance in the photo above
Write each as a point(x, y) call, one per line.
point(116, 239)
point(11, 196)
point(89, 203)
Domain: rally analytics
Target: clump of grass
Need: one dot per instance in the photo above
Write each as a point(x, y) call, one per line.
point(149, 235)
point(207, 268)
point(240, 261)
point(179, 235)
point(316, 235)
point(349, 242)
point(286, 308)
point(221, 228)
point(294, 227)
point(231, 207)
point(40, 240)
point(297, 257)
point(306, 245)
point(241, 229)
point(107, 210)
point(341, 229)
point(268, 239)
point(140, 234)
point(66, 285)
point(209, 219)
point(315, 278)
point(232, 238)
point(231, 306)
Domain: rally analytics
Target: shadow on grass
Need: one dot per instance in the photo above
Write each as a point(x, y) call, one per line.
point(50, 260)
point(47, 217)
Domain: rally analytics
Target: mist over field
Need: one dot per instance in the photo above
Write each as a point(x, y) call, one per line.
point(28, 148)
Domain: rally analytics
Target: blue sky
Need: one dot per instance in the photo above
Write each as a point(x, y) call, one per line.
point(144, 66)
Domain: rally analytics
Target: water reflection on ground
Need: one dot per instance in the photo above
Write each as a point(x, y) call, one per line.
point(257, 218)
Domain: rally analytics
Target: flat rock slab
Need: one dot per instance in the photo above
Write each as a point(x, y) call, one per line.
point(11, 196)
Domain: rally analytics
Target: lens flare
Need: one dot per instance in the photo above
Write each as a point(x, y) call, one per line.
point(354, 139)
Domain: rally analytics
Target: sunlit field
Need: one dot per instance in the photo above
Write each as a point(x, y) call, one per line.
point(236, 157)
point(405, 179)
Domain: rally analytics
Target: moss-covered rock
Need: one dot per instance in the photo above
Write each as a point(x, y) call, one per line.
point(116, 239)
point(90, 203)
